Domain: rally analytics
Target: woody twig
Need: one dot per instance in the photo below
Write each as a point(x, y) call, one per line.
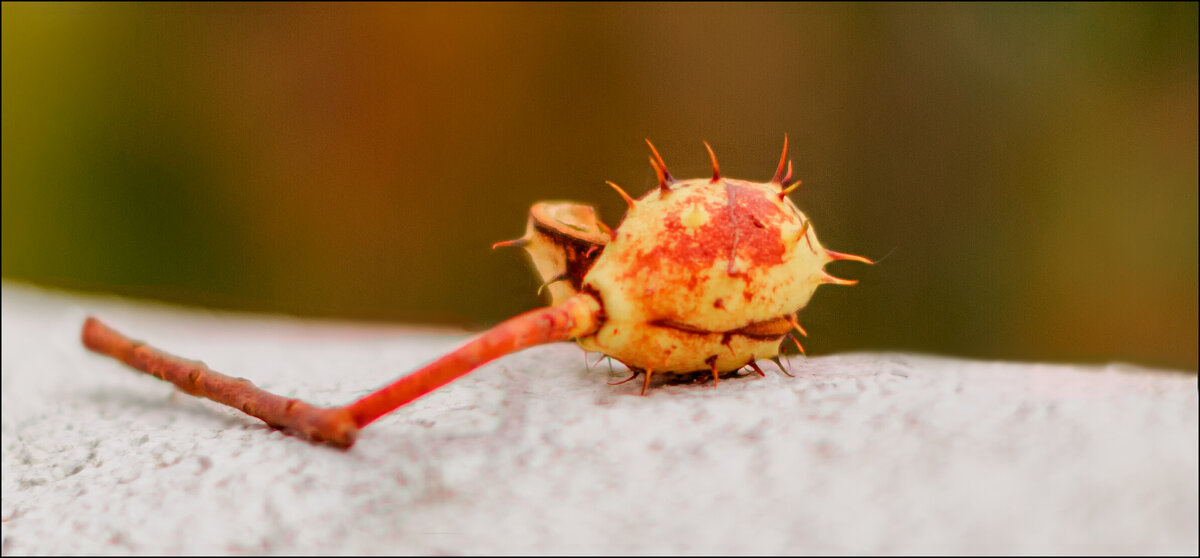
point(335, 426)
point(340, 425)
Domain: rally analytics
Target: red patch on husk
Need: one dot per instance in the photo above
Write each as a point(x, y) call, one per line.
point(745, 224)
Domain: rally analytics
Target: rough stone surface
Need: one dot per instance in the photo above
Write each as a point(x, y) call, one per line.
point(859, 453)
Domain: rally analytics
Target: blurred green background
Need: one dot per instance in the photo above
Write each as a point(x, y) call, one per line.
point(1030, 171)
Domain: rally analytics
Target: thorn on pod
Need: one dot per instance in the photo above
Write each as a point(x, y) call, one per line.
point(514, 243)
point(624, 195)
point(798, 346)
point(660, 168)
point(779, 363)
point(787, 190)
point(633, 374)
point(646, 382)
point(804, 235)
point(827, 278)
point(716, 169)
point(779, 179)
point(835, 256)
point(796, 325)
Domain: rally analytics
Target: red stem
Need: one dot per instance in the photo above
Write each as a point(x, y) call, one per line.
point(544, 325)
point(573, 318)
point(194, 378)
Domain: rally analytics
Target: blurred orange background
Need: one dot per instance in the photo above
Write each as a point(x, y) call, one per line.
point(1028, 170)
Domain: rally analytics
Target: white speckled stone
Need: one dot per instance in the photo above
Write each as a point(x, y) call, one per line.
point(859, 453)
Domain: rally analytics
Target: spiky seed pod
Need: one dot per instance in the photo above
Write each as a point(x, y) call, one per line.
point(708, 269)
point(701, 274)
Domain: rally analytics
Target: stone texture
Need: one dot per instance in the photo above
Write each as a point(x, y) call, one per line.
point(859, 453)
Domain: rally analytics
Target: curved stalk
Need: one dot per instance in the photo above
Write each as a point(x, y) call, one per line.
point(575, 317)
point(339, 426)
